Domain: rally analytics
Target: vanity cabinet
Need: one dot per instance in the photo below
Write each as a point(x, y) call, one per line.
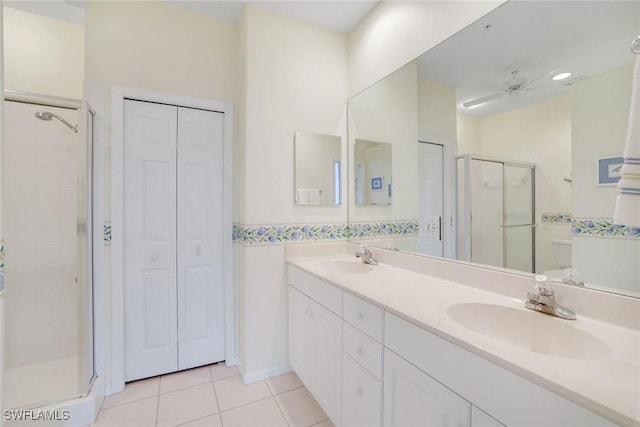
point(367, 367)
point(413, 398)
point(315, 347)
point(362, 390)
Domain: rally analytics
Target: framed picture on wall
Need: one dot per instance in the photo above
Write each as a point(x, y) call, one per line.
point(608, 170)
point(376, 183)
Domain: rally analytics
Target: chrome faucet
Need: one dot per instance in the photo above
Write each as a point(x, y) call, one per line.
point(543, 299)
point(366, 256)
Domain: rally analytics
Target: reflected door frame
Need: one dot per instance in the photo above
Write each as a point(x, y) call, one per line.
point(448, 225)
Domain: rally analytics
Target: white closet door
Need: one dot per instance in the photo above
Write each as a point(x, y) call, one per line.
point(200, 237)
point(150, 239)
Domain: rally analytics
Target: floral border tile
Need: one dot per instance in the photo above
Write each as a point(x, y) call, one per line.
point(603, 228)
point(286, 233)
point(557, 218)
point(107, 232)
point(377, 229)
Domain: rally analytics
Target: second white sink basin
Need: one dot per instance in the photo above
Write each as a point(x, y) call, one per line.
point(343, 267)
point(533, 331)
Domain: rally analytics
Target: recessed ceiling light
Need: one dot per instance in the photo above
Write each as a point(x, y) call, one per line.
point(561, 76)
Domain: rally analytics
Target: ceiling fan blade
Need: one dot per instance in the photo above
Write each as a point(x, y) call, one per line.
point(477, 101)
point(532, 81)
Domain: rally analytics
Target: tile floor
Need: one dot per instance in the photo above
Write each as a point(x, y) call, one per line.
point(212, 396)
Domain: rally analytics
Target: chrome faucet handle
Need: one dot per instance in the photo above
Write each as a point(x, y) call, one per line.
point(542, 298)
point(366, 256)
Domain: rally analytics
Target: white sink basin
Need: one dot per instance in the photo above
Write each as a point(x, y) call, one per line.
point(343, 267)
point(533, 331)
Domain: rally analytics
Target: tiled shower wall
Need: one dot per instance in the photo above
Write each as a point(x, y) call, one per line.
point(39, 223)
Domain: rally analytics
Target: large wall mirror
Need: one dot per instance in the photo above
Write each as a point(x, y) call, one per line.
point(528, 99)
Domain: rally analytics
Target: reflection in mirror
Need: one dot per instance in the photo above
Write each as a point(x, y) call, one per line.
point(495, 90)
point(318, 169)
point(372, 173)
point(496, 209)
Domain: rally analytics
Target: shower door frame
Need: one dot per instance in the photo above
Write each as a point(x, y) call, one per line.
point(86, 165)
point(468, 214)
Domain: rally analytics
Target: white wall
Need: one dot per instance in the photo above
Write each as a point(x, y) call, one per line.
point(599, 127)
point(42, 55)
point(156, 46)
point(395, 33)
point(387, 112)
point(295, 78)
point(436, 110)
point(469, 134)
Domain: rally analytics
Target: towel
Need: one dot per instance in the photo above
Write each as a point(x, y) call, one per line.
point(627, 209)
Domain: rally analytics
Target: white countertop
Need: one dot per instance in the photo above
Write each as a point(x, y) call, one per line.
point(608, 385)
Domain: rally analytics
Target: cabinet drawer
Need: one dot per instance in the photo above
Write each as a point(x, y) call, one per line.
point(322, 292)
point(364, 316)
point(363, 349)
point(361, 391)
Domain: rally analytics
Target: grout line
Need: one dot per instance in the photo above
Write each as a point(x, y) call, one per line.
point(215, 393)
point(281, 411)
point(157, 406)
point(287, 391)
point(201, 418)
point(320, 422)
point(247, 404)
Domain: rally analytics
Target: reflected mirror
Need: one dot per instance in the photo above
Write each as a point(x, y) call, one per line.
point(318, 169)
point(372, 173)
point(542, 86)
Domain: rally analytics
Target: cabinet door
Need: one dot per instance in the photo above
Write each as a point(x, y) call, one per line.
point(150, 239)
point(413, 398)
point(325, 359)
point(200, 237)
point(299, 334)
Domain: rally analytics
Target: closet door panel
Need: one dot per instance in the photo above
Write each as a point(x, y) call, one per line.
point(200, 237)
point(150, 239)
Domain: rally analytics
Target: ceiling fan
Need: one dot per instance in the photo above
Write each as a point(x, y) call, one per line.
point(512, 86)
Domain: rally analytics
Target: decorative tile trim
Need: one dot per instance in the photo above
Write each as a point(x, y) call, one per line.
point(1, 255)
point(603, 228)
point(557, 218)
point(287, 233)
point(107, 232)
point(362, 230)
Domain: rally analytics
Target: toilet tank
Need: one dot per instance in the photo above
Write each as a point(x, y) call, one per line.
point(561, 252)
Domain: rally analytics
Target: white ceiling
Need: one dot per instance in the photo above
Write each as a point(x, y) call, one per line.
point(341, 15)
point(535, 38)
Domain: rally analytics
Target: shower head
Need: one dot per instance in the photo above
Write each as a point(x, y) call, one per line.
point(47, 116)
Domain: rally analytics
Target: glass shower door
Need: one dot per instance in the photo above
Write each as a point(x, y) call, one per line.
point(519, 222)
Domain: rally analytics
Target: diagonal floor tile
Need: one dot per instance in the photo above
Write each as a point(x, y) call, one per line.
point(185, 405)
point(300, 408)
point(232, 392)
point(261, 413)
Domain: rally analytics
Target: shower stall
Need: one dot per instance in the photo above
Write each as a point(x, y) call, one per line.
point(496, 212)
point(47, 222)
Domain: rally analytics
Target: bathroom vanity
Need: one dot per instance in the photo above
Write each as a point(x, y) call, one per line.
point(421, 341)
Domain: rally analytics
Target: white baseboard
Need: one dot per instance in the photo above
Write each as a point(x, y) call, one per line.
point(252, 377)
